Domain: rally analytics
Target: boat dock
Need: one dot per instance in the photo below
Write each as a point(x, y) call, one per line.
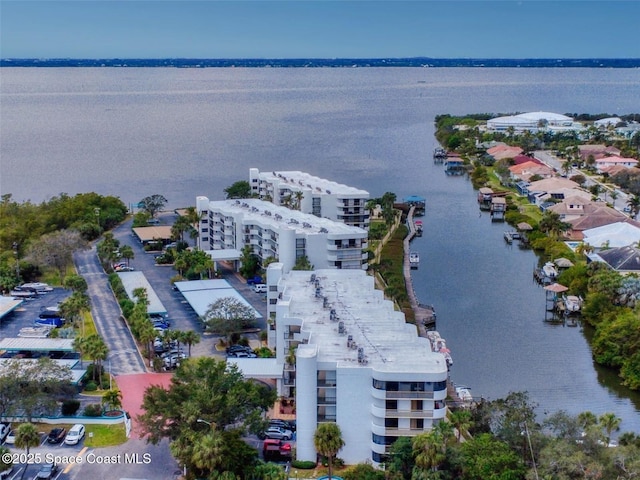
point(425, 314)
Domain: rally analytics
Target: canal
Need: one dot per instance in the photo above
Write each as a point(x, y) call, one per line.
point(492, 312)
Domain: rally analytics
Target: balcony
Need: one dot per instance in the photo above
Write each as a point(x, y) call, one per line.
point(393, 395)
point(326, 400)
point(390, 413)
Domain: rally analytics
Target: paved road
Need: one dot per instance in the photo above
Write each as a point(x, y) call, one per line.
point(124, 357)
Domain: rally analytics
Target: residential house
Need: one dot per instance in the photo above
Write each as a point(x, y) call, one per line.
point(614, 161)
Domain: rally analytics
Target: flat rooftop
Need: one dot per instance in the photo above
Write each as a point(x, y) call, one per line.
point(388, 342)
point(37, 344)
point(318, 185)
point(258, 211)
point(8, 305)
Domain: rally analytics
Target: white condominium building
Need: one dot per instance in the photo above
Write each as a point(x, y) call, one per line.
point(281, 233)
point(310, 194)
point(357, 362)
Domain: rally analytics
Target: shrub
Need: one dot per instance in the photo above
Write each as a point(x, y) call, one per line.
point(70, 407)
point(90, 387)
point(303, 464)
point(93, 410)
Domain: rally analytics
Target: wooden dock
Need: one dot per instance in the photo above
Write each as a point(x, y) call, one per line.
point(424, 314)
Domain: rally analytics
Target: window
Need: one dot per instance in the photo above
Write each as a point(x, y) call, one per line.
point(391, 405)
point(301, 247)
point(391, 422)
point(417, 424)
point(416, 405)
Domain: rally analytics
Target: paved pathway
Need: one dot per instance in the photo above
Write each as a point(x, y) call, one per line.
point(124, 357)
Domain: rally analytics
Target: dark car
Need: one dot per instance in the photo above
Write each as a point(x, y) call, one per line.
point(56, 435)
point(239, 348)
point(47, 471)
point(287, 424)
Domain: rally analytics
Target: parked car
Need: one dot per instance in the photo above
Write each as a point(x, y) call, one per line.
point(10, 439)
point(47, 471)
point(125, 269)
point(278, 433)
point(56, 435)
point(273, 449)
point(239, 348)
point(254, 280)
point(173, 360)
point(260, 288)
point(286, 424)
point(5, 428)
point(76, 433)
point(5, 473)
point(242, 354)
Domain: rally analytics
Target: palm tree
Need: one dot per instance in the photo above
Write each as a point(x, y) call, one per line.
point(97, 350)
point(609, 423)
point(298, 200)
point(27, 436)
point(146, 335)
point(328, 442)
point(127, 253)
point(190, 338)
point(427, 450)
point(207, 451)
point(633, 202)
point(552, 225)
point(112, 398)
point(461, 420)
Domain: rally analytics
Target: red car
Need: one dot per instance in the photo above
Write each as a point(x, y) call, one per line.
point(275, 449)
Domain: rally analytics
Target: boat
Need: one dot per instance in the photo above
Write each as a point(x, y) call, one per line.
point(414, 259)
point(49, 322)
point(572, 303)
point(549, 270)
point(418, 226)
point(35, 332)
point(464, 393)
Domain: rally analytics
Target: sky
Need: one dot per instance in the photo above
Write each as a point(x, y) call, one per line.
point(319, 29)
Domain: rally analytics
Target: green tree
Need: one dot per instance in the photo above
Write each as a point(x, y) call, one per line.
point(127, 253)
point(77, 283)
point(270, 471)
point(55, 250)
point(485, 458)
point(461, 420)
point(328, 441)
point(228, 315)
point(179, 227)
point(190, 338)
point(239, 189)
point(209, 389)
point(249, 262)
point(27, 436)
point(302, 263)
point(153, 204)
point(610, 423)
point(552, 225)
point(112, 398)
point(97, 350)
point(5, 460)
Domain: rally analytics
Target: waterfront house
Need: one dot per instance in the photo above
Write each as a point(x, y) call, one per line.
point(619, 234)
point(588, 215)
point(615, 160)
point(624, 260)
point(501, 152)
point(356, 363)
point(596, 151)
point(524, 171)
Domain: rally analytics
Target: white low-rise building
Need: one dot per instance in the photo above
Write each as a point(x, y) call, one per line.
point(357, 362)
point(534, 122)
point(311, 194)
point(279, 233)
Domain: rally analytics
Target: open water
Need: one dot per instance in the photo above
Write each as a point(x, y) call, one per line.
point(134, 132)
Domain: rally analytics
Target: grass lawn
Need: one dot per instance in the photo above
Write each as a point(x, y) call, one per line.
point(103, 435)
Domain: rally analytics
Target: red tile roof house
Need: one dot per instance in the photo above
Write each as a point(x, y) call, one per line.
point(525, 171)
point(520, 159)
point(584, 215)
point(613, 161)
point(598, 151)
point(501, 152)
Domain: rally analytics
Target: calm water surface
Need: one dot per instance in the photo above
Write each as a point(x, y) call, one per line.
point(187, 132)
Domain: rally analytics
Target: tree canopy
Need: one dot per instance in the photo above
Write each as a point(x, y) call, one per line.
point(228, 315)
point(239, 189)
point(153, 204)
point(204, 412)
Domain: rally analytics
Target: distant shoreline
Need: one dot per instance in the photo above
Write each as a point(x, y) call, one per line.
point(417, 62)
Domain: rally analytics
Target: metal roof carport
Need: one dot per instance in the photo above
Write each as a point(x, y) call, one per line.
point(257, 367)
point(149, 234)
point(133, 280)
point(202, 293)
point(17, 344)
point(8, 305)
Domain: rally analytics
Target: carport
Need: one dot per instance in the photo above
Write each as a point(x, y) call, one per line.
point(8, 305)
point(202, 293)
point(134, 280)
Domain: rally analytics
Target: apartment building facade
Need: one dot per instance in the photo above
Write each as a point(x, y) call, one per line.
point(310, 194)
point(276, 232)
point(356, 362)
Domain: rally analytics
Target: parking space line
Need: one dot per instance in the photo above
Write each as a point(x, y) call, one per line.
point(68, 468)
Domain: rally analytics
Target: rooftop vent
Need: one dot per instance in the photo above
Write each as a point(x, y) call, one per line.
point(313, 277)
point(318, 292)
point(324, 230)
point(349, 340)
point(341, 329)
point(306, 225)
point(328, 192)
point(278, 216)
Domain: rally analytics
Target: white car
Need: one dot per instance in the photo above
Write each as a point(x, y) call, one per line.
point(75, 434)
point(10, 438)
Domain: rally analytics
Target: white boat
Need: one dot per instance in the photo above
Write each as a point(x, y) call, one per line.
point(549, 269)
point(464, 393)
point(572, 303)
point(414, 259)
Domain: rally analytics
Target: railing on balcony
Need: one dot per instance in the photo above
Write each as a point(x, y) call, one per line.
point(327, 382)
point(408, 413)
point(326, 400)
point(329, 417)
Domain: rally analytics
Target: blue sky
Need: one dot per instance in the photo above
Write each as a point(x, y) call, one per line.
point(319, 29)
